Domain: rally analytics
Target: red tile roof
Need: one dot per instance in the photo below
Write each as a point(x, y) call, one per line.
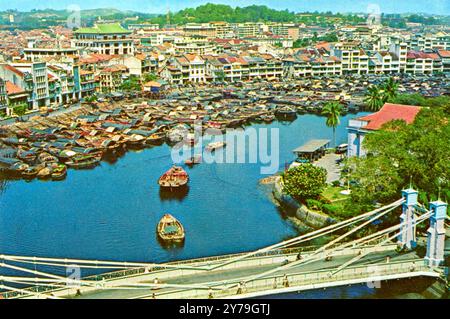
point(11, 88)
point(13, 69)
point(390, 112)
point(444, 53)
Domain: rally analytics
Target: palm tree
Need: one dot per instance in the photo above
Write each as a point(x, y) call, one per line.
point(390, 88)
point(332, 111)
point(374, 98)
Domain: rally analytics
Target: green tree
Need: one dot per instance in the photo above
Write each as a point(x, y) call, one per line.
point(20, 109)
point(374, 98)
point(390, 88)
point(304, 182)
point(400, 154)
point(332, 111)
point(132, 84)
point(147, 77)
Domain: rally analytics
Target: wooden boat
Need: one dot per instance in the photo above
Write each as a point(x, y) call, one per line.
point(45, 157)
point(214, 146)
point(196, 159)
point(269, 118)
point(286, 113)
point(30, 172)
point(44, 173)
point(26, 156)
point(136, 140)
point(59, 172)
point(170, 229)
point(156, 139)
point(83, 161)
point(174, 177)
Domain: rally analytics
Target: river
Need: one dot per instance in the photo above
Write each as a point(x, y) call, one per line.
point(111, 212)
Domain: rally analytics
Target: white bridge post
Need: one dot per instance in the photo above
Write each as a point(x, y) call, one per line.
point(436, 234)
point(407, 237)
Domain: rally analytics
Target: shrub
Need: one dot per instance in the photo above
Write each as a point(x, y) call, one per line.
point(304, 181)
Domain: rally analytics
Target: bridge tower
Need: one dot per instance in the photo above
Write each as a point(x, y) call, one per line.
point(407, 237)
point(436, 234)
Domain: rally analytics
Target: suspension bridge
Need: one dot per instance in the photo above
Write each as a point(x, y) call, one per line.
point(387, 254)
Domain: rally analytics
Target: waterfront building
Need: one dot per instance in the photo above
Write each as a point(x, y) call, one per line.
point(418, 62)
point(106, 38)
point(445, 57)
point(192, 67)
point(112, 77)
point(89, 84)
point(15, 96)
point(304, 63)
point(137, 64)
point(353, 57)
point(358, 128)
point(32, 76)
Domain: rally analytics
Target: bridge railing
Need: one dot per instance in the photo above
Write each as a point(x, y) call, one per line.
point(306, 280)
point(133, 272)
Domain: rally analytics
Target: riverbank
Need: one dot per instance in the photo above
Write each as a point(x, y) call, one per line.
point(308, 217)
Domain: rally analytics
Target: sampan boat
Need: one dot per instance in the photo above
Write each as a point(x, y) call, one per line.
point(170, 229)
point(196, 159)
point(59, 172)
point(174, 177)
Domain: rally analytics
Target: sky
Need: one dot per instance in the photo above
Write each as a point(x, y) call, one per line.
point(160, 6)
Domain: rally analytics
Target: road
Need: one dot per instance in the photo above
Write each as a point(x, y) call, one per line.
point(236, 275)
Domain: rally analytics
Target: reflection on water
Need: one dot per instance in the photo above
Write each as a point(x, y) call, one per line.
point(111, 212)
point(178, 193)
point(171, 245)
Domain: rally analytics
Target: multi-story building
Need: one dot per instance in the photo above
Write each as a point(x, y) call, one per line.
point(89, 85)
point(143, 26)
point(358, 128)
point(108, 39)
point(111, 78)
point(204, 29)
point(36, 76)
point(419, 63)
point(423, 42)
point(195, 44)
point(38, 54)
point(248, 29)
point(401, 51)
point(353, 58)
point(311, 63)
point(445, 57)
point(223, 29)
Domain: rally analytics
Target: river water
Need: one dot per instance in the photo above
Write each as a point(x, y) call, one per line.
point(111, 212)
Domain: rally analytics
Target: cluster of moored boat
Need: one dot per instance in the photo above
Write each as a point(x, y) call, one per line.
point(45, 147)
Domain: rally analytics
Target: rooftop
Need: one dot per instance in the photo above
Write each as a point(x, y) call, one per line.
point(390, 112)
point(104, 28)
point(311, 146)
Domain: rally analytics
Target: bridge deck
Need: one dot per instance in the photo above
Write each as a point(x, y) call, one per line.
point(235, 275)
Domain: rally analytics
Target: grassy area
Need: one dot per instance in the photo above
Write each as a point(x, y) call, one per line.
point(332, 194)
point(332, 203)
